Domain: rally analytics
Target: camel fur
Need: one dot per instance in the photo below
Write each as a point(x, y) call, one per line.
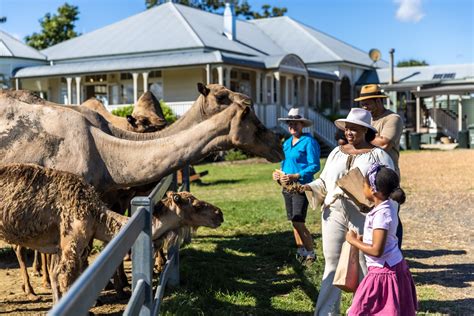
point(59, 213)
point(144, 118)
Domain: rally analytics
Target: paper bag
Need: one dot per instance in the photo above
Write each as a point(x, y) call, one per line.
point(346, 276)
point(352, 184)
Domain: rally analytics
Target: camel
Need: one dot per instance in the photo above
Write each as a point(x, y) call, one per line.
point(213, 98)
point(144, 118)
point(147, 115)
point(64, 140)
point(58, 213)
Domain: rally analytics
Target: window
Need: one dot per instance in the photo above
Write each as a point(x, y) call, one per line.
point(326, 95)
point(96, 78)
point(155, 74)
point(346, 94)
point(126, 76)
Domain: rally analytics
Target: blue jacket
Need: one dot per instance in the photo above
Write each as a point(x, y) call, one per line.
point(302, 158)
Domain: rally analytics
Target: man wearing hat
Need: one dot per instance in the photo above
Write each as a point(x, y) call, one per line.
point(300, 164)
point(389, 126)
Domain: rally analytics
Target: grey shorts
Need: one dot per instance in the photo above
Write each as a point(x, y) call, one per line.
point(296, 206)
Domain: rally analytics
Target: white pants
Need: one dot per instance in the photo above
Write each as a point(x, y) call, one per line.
point(337, 219)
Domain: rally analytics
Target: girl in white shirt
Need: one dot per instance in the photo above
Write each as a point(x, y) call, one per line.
point(388, 288)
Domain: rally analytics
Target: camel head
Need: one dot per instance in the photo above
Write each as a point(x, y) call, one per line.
point(147, 115)
point(192, 211)
point(215, 97)
point(249, 134)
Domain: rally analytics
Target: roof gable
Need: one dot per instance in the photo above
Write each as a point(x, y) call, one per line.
point(11, 47)
point(310, 44)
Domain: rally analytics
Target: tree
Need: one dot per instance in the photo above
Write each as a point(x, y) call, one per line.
point(412, 63)
point(242, 7)
point(56, 28)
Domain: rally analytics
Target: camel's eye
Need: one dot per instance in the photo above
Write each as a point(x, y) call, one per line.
point(221, 98)
point(176, 198)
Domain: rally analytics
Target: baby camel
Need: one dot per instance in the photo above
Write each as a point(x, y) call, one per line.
point(59, 213)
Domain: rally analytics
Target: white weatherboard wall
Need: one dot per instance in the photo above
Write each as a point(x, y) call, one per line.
point(181, 84)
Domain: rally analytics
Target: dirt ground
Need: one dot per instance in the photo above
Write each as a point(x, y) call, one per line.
point(438, 239)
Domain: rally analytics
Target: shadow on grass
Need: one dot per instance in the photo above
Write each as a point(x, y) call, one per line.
point(242, 275)
point(455, 307)
point(457, 275)
point(217, 182)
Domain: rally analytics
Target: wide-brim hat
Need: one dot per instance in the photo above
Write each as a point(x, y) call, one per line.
point(370, 91)
point(295, 116)
point(356, 116)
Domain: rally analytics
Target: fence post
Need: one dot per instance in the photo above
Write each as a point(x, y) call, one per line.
point(186, 178)
point(142, 256)
point(173, 278)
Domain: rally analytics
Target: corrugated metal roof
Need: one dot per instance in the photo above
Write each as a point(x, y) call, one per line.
point(119, 64)
point(316, 73)
point(11, 47)
point(311, 45)
point(419, 74)
point(168, 26)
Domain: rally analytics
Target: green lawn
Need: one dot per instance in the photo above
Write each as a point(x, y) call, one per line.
point(248, 265)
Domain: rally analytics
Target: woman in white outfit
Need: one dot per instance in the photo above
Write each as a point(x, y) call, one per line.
point(339, 214)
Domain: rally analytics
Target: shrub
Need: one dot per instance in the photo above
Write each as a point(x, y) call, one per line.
point(234, 154)
point(170, 117)
point(123, 111)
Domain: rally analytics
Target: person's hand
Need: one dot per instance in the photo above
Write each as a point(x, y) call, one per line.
point(289, 177)
point(352, 236)
point(276, 175)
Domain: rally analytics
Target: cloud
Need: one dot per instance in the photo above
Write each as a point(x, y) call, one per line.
point(409, 10)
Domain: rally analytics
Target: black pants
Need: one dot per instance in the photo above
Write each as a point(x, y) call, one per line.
point(296, 206)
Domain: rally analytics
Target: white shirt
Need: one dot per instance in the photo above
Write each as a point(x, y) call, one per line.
point(383, 216)
point(337, 165)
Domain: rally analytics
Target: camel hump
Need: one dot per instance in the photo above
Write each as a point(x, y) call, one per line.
point(29, 180)
point(25, 96)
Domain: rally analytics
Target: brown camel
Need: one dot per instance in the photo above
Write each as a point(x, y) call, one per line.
point(57, 212)
point(144, 118)
point(213, 98)
point(64, 140)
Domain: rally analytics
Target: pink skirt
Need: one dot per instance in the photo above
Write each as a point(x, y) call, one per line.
point(386, 291)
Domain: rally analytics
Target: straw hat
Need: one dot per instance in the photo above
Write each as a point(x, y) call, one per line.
point(295, 116)
point(370, 91)
point(356, 116)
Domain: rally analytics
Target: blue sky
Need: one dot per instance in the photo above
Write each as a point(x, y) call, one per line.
point(438, 31)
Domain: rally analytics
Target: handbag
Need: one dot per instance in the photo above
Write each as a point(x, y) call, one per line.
point(346, 276)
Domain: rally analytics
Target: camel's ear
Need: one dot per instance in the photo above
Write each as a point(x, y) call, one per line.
point(202, 89)
point(132, 120)
point(246, 111)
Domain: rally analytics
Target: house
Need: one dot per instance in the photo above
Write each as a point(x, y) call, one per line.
point(279, 62)
point(433, 100)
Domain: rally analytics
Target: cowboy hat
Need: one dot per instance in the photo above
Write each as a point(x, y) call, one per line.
point(370, 91)
point(295, 116)
point(356, 116)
